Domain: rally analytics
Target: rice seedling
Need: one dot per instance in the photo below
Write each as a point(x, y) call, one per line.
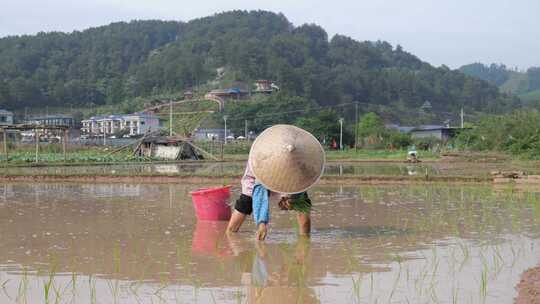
point(92, 288)
point(212, 297)
point(48, 286)
point(58, 294)
point(238, 295)
point(394, 287)
point(4, 288)
point(483, 283)
point(114, 289)
point(158, 292)
point(454, 294)
point(370, 285)
point(301, 203)
point(357, 288)
point(116, 257)
point(465, 253)
point(21, 292)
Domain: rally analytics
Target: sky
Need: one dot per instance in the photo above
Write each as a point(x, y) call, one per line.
point(450, 32)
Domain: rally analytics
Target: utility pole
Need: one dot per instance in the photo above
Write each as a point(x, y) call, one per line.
point(462, 114)
point(225, 134)
point(341, 133)
point(170, 118)
point(356, 128)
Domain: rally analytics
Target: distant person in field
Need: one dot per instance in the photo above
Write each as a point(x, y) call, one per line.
point(284, 162)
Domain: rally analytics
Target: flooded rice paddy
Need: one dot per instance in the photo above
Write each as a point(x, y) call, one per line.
point(140, 243)
point(237, 168)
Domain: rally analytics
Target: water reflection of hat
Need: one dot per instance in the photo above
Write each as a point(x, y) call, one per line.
point(287, 159)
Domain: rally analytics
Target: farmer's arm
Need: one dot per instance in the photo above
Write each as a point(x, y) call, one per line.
point(262, 230)
point(302, 204)
point(243, 206)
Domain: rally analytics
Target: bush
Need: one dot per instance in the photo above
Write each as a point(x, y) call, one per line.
point(517, 133)
point(427, 143)
point(398, 140)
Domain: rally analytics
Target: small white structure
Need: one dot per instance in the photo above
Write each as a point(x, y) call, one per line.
point(134, 124)
point(52, 120)
point(6, 118)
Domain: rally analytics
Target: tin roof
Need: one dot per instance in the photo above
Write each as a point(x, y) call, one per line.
point(59, 116)
point(121, 116)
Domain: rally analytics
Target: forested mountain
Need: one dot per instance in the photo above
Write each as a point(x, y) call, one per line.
point(110, 64)
point(496, 74)
point(93, 66)
point(525, 84)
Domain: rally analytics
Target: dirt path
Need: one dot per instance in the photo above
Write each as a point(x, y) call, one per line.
point(529, 287)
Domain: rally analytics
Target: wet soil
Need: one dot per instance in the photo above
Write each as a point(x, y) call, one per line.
point(529, 287)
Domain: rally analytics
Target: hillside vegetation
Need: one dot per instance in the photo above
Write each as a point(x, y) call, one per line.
point(524, 84)
point(517, 134)
point(118, 63)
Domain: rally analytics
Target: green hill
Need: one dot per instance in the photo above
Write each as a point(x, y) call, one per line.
point(532, 98)
point(121, 62)
point(524, 84)
point(188, 115)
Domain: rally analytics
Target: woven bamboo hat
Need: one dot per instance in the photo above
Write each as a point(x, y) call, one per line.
point(286, 159)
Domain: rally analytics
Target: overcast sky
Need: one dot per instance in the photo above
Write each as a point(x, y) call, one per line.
point(451, 32)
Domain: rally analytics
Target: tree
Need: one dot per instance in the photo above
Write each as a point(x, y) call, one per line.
point(324, 126)
point(123, 61)
point(371, 127)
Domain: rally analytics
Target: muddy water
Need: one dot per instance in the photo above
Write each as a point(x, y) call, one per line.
point(98, 243)
point(237, 168)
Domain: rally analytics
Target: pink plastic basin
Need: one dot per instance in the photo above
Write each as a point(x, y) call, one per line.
point(211, 204)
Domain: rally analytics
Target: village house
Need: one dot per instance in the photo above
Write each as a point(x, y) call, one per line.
point(6, 118)
point(52, 120)
point(440, 132)
point(188, 95)
point(133, 124)
point(265, 86)
point(228, 94)
point(211, 134)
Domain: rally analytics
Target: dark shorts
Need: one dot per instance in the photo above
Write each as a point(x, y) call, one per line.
point(244, 204)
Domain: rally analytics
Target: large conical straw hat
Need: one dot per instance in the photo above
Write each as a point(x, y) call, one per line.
point(286, 159)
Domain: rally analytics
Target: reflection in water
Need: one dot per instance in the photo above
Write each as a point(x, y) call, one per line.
point(141, 243)
point(279, 277)
point(271, 273)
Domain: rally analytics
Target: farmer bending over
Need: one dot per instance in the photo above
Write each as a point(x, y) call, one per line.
point(284, 161)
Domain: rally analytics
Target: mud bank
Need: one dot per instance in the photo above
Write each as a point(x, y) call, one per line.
point(529, 287)
point(194, 179)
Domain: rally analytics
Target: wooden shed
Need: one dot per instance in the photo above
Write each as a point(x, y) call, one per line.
point(168, 148)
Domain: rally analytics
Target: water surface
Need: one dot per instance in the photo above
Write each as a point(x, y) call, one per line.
point(131, 243)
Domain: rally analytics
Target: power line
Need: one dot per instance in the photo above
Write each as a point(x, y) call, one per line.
point(310, 109)
point(293, 111)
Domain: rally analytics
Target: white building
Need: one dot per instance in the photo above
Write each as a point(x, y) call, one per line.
point(52, 120)
point(134, 124)
point(6, 118)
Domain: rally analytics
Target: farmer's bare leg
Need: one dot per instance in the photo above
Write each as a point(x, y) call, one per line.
point(237, 218)
point(242, 208)
point(304, 223)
